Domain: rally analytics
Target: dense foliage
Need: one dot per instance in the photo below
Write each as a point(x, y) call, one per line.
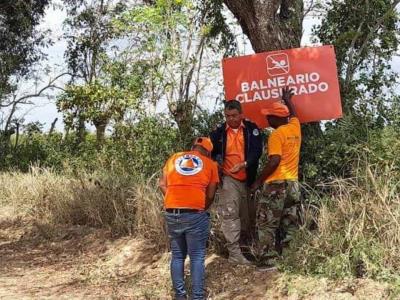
point(19, 38)
point(365, 39)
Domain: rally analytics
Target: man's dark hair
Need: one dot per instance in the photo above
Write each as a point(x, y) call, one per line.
point(233, 104)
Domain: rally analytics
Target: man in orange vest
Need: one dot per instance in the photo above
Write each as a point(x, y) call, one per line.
point(276, 211)
point(237, 148)
point(189, 182)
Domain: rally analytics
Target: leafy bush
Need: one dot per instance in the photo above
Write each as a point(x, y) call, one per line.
point(144, 147)
point(138, 148)
point(336, 151)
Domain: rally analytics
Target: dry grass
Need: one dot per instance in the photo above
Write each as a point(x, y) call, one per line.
point(357, 234)
point(118, 203)
point(357, 225)
point(311, 288)
point(358, 230)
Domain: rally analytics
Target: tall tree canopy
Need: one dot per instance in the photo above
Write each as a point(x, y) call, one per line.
point(19, 38)
point(365, 38)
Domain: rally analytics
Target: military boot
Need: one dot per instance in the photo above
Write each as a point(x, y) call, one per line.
point(236, 257)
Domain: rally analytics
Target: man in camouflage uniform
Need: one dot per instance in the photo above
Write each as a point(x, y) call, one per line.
point(276, 210)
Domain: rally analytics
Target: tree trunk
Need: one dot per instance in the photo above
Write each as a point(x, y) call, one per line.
point(16, 136)
point(81, 130)
point(182, 111)
point(100, 132)
point(53, 125)
point(66, 135)
point(269, 24)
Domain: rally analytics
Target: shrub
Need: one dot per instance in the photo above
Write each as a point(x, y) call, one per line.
point(139, 148)
point(357, 228)
point(336, 151)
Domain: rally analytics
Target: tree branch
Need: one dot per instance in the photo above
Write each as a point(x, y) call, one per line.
point(50, 85)
point(351, 65)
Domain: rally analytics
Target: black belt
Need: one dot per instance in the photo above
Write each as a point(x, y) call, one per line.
point(182, 210)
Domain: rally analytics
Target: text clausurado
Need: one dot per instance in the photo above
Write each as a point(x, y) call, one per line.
point(270, 88)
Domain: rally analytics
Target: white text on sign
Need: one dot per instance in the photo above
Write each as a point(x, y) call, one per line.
point(307, 83)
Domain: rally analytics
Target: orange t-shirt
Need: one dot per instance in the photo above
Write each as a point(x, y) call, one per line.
point(234, 153)
point(188, 175)
point(286, 141)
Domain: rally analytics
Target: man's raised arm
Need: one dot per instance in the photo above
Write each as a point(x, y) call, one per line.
point(287, 94)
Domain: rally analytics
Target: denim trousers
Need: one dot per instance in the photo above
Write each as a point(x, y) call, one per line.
point(188, 233)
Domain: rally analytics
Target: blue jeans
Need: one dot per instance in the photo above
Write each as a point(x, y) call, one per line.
point(188, 233)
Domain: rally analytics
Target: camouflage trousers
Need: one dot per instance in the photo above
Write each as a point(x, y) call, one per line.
point(277, 217)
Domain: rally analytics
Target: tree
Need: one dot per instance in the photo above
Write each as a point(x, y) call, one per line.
point(19, 39)
point(173, 38)
point(33, 128)
point(365, 39)
point(89, 32)
point(20, 43)
point(19, 97)
point(104, 99)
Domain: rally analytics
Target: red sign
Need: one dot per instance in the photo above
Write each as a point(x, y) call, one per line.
point(257, 80)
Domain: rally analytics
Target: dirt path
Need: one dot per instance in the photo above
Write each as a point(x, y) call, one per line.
point(83, 263)
point(32, 267)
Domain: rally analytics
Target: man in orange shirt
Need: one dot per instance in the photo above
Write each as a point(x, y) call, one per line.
point(189, 182)
point(237, 149)
point(276, 211)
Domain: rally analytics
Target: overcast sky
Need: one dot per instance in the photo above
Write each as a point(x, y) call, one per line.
point(45, 110)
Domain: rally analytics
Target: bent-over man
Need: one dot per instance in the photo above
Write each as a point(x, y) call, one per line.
point(189, 182)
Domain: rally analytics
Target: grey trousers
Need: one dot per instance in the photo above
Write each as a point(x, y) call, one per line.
point(233, 207)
